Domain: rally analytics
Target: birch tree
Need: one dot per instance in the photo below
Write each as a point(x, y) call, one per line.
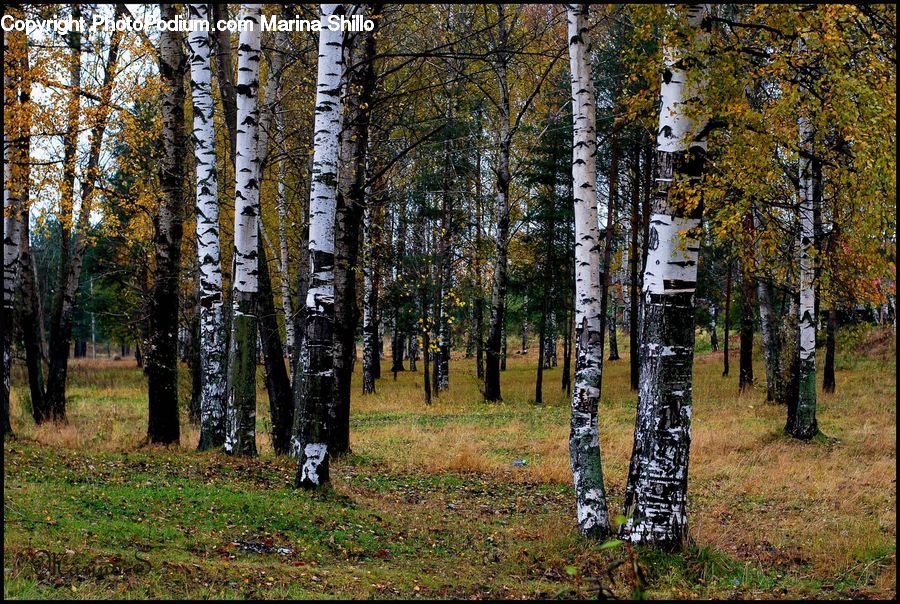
point(212, 326)
point(240, 437)
point(316, 370)
point(584, 437)
point(11, 235)
point(656, 493)
point(802, 410)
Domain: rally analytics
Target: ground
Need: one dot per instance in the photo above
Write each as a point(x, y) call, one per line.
point(429, 504)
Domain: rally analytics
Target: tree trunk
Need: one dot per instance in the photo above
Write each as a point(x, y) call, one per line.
point(71, 263)
point(161, 356)
point(769, 332)
point(240, 417)
point(613, 343)
point(316, 364)
point(351, 200)
point(278, 385)
point(193, 363)
point(608, 233)
point(633, 296)
point(444, 269)
point(656, 493)
point(225, 78)
point(584, 437)
point(370, 304)
point(18, 267)
point(479, 292)
point(567, 352)
point(802, 421)
point(524, 348)
point(726, 335)
point(748, 319)
point(211, 308)
point(713, 323)
point(11, 242)
point(496, 331)
point(828, 384)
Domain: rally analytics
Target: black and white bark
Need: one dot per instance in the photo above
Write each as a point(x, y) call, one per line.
point(802, 419)
point(240, 417)
point(316, 363)
point(656, 492)
point(372, 224)
point(584, 438)
point(496, 332)
point(12, 232)
point(212, 326)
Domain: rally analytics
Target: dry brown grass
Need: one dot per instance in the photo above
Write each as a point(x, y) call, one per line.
point(828, 507)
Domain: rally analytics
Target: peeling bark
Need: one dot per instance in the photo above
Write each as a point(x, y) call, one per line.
point(656, 493)
point(316, 363)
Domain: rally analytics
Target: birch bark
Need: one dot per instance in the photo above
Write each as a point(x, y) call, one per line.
point(584, 438)
point(802, 418)
point(240, 435)
point(656, 493)
point(212, 326)
point(316, 364)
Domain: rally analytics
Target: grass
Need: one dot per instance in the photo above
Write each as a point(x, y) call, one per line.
point(429, 505)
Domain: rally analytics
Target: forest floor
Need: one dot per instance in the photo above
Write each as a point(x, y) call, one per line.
point(430, 505)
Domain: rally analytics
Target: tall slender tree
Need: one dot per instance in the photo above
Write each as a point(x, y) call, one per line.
point(584, 438)
point(802, 412)
point(240, 433)
point(316, 363)
point(212, 326)
point(162, 355)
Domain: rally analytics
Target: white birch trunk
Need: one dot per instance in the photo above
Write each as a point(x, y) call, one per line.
point(316, 360)
point(241, 416)
point(584, 438)
point(212, 326)
point(286, 298)
point(656, 494)
point(11, 241)
point(802, 421)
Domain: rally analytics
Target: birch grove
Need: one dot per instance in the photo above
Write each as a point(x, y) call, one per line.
point(443, 178)
point(212, 327)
